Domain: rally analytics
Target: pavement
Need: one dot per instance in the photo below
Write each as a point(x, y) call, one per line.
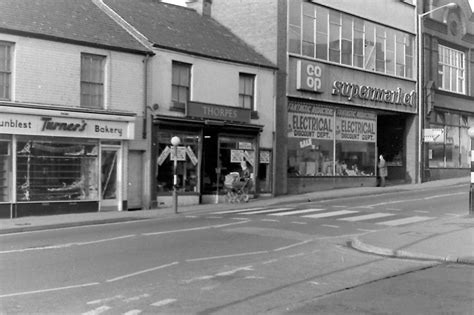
point(444, 240)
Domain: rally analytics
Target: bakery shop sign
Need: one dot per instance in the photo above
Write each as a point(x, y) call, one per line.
point(352, 91)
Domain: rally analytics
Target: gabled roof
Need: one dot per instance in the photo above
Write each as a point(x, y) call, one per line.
point(74, 21)
point(181, 29)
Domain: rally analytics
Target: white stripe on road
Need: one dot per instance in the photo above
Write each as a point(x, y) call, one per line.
point(49, 290)
point(444, 195)
point(142, 272)
point(206, 227)
point(367, 217)
point(227, 256)
point(292, 245)
point(99, 310)
point(331, 226)
point(267, 211)
point(236, 211)
point(329, 214)
point(405, 221)
point(133, 312)
point(164, 302)
point(296, 212)
point(59, 246)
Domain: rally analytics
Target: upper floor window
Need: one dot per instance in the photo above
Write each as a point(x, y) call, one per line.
point(246, 90)
point(92, 81)
point(180, 86)
point(321, 33)
point(5, 69)
point(451, 70)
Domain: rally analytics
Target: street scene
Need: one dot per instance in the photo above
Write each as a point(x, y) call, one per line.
point(293, 256)
point(236, 157)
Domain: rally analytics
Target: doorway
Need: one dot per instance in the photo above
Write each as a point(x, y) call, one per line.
point(391, 143)
point(110, 161)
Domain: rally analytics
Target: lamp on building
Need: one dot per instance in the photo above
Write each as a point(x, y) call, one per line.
point(419, 84)
point(175, 141)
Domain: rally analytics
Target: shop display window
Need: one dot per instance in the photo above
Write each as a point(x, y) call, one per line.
point(49, 170)
point(187, 167)
point(315, 159)
point(355, 158)
point(265, 171)
point(5, 170)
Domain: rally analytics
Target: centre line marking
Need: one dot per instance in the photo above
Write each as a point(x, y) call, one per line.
point(292, 245)
point(50, 290)
point(164, 302)
point(227, 256)
point(142, 272)
point(99, 310)
point(331, 226)
point(206, 227)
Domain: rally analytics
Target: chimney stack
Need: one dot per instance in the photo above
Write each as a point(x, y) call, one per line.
point(202, 7)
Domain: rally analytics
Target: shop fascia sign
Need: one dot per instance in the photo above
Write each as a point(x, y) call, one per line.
point(365, 92)
point(64, 127)
point(309, 76)
point(217, 112)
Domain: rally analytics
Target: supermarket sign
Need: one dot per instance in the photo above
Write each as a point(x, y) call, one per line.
point(39, 125)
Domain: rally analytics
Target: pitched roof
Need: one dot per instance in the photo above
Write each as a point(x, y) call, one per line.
point(75, 21)
point(181, 29)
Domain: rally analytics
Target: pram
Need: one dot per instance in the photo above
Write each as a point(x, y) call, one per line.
point(237, 188)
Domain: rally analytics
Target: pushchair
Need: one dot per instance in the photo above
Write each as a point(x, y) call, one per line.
point(237, 188)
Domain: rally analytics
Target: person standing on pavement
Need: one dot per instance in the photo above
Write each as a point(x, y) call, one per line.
point(382, 165)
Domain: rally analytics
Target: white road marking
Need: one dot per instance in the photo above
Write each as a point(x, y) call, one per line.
point(50, 290)
point(296, 212)
point(227, 256)
point(142, 272)
point(295, 222)
point(421, 211)
point(366, 230)
point(236, 211)
point(367, 217)
point(444, 195)
point(105, 300)
point(405, 221)
point(99, 310)
point(292, 245)
point(231, 272)
point(206, 227)
point(164, 302)
point(67, 245)
point(133, 312)
point(328, 214)
point(269, 261)
point(215, 217)
point(269, 220)
point(339, 206)
point(136, 298)
point(331, 226)
point(267, 211)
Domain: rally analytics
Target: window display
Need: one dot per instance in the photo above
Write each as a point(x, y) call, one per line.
point(187, 169)
point(5, 162)
point(324, 141)
point(56, 170)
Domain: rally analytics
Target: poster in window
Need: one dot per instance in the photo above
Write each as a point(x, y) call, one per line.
point(236, 156)
point(354, 125)
point(309, 121)
point(265, 157)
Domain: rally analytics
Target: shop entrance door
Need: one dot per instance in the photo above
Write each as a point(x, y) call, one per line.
point(110, 178)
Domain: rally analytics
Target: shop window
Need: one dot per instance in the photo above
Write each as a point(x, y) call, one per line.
point(453, 149)
point(180, 85)
point(187, 165)
point(327, 142)
point(5, 69)
point(50, 170)
point(92, 81)
point(451, 70)
point(247, 91)
point(5, 170)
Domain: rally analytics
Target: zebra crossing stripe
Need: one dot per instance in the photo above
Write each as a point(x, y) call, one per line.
point(405, 221)
point(267, 211)
point(296, 212)
point(329, 214)
point(367, 217)
point(236, 211)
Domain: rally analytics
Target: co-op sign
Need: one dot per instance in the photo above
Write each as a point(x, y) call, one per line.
point(310, 78)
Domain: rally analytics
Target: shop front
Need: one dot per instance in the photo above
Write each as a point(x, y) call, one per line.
point(56, 161)
point(214, 141)
point(340, 120)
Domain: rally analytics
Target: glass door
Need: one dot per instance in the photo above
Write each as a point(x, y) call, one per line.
point(110, 178)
